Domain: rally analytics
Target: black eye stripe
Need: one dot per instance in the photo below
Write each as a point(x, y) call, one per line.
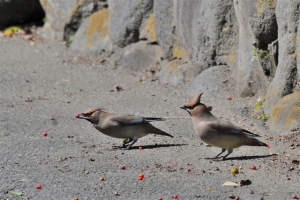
point(90, 113)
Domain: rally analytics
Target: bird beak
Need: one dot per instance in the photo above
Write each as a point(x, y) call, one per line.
point(81, 116)
point(184, 107)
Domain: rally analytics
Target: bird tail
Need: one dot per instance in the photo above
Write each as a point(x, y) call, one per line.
point(151, 119)
point(255, 142)
point(157, 131)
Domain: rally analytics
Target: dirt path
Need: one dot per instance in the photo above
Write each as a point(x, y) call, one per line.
point(43, 86)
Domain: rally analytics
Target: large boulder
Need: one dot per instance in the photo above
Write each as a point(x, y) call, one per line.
point(211, 81)
point(65, 17)
point(285, 115)
point(199, 26)
point(92, 36)
point(137, 56)
point(176, 72)
point(257, 29)
point(16, 12)
point(164, 26)
point(284, 82)
point(126, 19)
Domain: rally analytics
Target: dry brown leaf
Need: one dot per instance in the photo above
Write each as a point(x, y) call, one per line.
point(28, 99)
point(117, 88)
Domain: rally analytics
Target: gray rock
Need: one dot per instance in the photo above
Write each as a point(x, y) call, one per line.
point(285, 79)
point(137, 56)
point(211, 81)
point(257, 22)
point(298, 51)
point(164, 25)
point(285, 115)
point(64, 17)
point(199, 25)
point(16, 12)
point(83, 12)
point(126, 19)
point(92, 36)
point(176, 72)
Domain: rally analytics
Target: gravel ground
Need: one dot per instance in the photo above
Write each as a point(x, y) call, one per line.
point(45, 85)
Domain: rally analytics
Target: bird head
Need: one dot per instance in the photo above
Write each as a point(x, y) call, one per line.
point(195, 107)
point(91, 115)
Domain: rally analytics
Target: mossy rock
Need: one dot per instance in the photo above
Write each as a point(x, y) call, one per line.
point(285, 115)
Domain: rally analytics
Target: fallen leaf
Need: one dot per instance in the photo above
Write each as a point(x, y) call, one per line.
point(295, 162)
point(101, 61)
point(28, 99)
point(15, 192)
point(207, 145)
point(23, 180)
point(117, 88)
point(10, 30)
point(245, 182)
point(143, 78)
point(234, 171)
point(230, 184)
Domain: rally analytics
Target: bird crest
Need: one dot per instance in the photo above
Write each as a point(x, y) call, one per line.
point(195, 100)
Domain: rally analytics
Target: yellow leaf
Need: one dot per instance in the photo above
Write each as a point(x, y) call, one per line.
point(234, 171)
point(10, 30)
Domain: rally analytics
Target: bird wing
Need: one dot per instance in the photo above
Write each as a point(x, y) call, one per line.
point(225, 127)
point(128, 119)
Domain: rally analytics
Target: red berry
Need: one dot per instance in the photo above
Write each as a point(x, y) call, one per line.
point(160, 198)
point(38, 186)
point(45, 134)
point(253, 167)
point(77, 115)
point(140, 148)
point(237, 198)
point(229, 97)
point(175, 196)
point(101, 178)
point(123, 167)
point(75, 198)
point(141, 175)
point(140, 178)
point(294, 196)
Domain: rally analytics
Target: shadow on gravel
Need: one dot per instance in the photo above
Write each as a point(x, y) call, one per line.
point(150, 146)
point(242, 158)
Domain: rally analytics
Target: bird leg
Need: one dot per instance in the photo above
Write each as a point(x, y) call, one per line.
point(126, 141)
point(133, 141)
point(220, 153)
point(229, 152)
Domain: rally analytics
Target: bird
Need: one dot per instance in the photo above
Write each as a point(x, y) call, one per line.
point(216, 132)
point(126, 126)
